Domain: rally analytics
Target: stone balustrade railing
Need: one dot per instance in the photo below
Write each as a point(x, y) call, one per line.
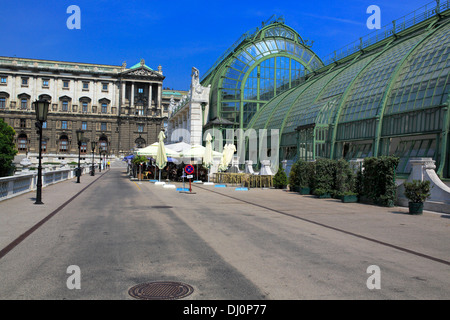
point(26, 181)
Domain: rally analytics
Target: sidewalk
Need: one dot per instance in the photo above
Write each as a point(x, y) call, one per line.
point(19, 214)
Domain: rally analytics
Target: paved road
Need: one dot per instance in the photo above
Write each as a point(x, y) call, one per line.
point(226, 244)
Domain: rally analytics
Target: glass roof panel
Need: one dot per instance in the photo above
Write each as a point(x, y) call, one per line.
point(423, 76)
point(373, 82)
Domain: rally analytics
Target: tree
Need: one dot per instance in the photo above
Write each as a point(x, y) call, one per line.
point(7, 148)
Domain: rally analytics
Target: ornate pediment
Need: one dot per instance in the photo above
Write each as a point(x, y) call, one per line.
point(142, 73)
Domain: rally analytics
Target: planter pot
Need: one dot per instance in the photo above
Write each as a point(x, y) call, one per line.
point(305, 190)
point(347, 199)
point(324, 196)
point(294, 188)
point(415, 207)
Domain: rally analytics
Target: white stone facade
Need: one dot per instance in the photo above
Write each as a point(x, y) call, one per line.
point(187, 117)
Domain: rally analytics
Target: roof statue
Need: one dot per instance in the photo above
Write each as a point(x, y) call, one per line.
point(171, 105)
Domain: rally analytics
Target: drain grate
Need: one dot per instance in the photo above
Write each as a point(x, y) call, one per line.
point(161, 207)
point(161, 290)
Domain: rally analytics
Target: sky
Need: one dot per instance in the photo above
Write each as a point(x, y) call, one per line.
point(177, 35)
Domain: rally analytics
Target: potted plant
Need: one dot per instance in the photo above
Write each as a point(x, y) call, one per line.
point(349, 196)
point(417, 192)
point(322, 193)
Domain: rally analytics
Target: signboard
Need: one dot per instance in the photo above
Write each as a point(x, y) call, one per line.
point(189, 169)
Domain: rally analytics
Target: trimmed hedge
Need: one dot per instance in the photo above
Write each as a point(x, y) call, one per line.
point(375, 181)
point(378, 180)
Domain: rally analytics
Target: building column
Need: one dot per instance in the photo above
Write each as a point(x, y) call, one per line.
point(150, 96)
point(123, 93)
point(159, 96)
point(132, 95)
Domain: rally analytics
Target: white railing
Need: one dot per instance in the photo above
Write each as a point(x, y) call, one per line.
point(26, 182)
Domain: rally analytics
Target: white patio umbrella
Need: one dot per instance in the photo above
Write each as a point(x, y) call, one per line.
point(161, 157)
point(152, 150)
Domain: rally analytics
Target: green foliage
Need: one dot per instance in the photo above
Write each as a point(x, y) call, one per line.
point(325, 173)
point(280, 179)
point(301, 174)
point(7, 148)
point(417, 191)
point(139, 159)
point(294, 175)
point(378, 179)
point(320, 192)
point(344, 180)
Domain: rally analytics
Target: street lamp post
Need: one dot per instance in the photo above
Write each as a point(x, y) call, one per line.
point(41, 107)
point(80, 140)
point(93, 145)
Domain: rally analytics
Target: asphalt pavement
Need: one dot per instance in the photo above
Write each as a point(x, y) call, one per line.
point(226, 244)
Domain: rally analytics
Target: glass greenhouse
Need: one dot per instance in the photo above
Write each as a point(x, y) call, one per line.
point(388, 94)
point(263, 63)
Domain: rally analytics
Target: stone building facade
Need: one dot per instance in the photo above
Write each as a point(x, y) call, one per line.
point(118, 107)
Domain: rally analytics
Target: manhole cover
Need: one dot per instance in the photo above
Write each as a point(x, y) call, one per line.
point(165, 290)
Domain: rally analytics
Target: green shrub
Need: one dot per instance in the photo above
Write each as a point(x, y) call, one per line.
point(294, 176)
point(301, 174)
point(378, 179)
point(344, 180)
point(324, 176)
point(280, 179)
point(417, 191)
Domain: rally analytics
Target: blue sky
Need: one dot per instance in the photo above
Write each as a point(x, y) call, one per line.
point(178, 35)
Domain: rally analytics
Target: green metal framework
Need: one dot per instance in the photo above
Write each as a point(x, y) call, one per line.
point(389, 97)
point(262, 64)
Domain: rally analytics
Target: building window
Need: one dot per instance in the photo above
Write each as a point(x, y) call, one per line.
point(84, 125)
point(84, 108)
point(85, 85)
point(140, 90)
point(24, 82)
point(65, 106)
point(103, 126)
point(3, 80)
point(63, 145)
point(104, 108)
point(23, 123)
point(65, 84)
point(45, 83)
point(103, 145)
point(22, 143)
point(140, 110)
point(105, 87)
point(140, 128)
point(44, 125)
point(2, 103)
point(44, 146)
point(64, 124)
point(83, 147)
point(23, 104)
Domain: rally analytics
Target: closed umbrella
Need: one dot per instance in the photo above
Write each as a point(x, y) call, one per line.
point(224, 162)
point(208, 155)
point(161, 157)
